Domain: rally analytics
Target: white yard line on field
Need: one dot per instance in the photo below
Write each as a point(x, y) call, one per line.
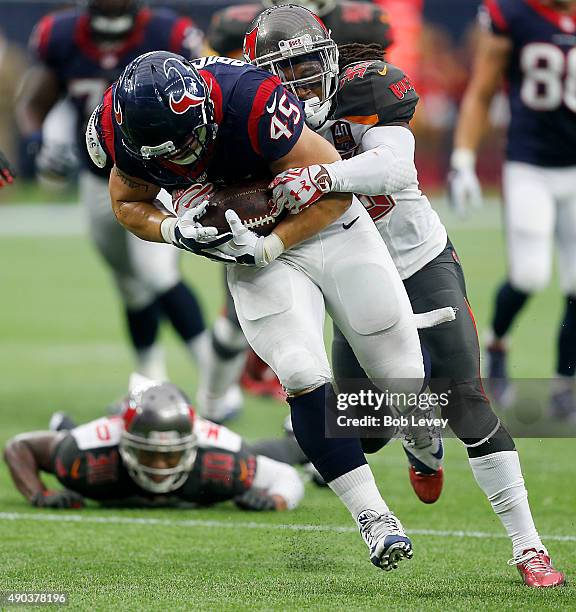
point(126, 520)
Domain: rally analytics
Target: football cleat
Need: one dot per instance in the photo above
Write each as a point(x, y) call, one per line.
point(220, 409)
point(563, 406)
point(536, 569)
point(499, 386)
point(259, 379)
point(425, 452)
point(385, 537)
point(60, 421)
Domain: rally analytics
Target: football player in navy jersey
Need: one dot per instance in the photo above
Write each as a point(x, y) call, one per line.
point(79, 52)
point(6, 172)
point(367, 119)
point(186, 125)
point(348, 21)
point(158, 452)
point(531, 45)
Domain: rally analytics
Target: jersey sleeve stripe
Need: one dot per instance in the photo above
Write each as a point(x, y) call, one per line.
point(497, 16)
point(363, 119)
point(177, 35)
point(262, 96)
point(41, 39)
point(107, 125)
point(215, 93)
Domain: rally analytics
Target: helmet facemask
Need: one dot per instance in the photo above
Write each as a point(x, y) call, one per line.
point(112, 20)
point(140, 453)
point(309, 70)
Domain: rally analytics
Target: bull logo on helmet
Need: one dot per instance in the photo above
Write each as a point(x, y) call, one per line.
point(174, 68)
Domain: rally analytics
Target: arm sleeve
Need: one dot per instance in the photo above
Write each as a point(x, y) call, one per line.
point(385, 167)
point(41, 45)
point(279, 479)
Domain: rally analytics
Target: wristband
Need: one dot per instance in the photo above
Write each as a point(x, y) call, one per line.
point(167, 228)
point(273, 247)
point(463, 159)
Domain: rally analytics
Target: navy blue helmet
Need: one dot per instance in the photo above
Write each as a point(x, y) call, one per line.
point(163, 109)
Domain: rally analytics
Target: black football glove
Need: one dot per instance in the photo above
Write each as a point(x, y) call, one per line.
point(7, 174)
point(58, 499)
point(256, 500)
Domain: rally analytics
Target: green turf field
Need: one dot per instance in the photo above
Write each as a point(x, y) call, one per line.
point(62, 348)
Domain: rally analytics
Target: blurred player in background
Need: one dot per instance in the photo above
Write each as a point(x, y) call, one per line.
point(364, 107)
point(531, 45)
point(349, 21)
point(79, 52)
point(158, 453)
point(6, 172)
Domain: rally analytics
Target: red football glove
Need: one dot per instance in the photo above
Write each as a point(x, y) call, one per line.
point(298, 188)
point(184, 199)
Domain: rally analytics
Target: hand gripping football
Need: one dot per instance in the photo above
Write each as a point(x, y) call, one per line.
point(249, 199)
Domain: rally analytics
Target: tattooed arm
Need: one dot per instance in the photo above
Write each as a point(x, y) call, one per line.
point(133, 204)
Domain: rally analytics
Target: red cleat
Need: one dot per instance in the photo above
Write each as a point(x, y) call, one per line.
point(258, 378)
point(427, 486)
point(536, 569)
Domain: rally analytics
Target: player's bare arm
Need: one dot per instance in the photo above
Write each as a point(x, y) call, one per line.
point(310, 149)
point(133, 204)
point(39, 92)
point(28, 454)
point(491, 60)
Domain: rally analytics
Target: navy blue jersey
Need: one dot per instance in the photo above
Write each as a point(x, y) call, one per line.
point(541, 80)
point(63, 42)
point(259, 122)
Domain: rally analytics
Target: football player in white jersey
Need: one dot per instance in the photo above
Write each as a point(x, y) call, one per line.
point(363, 105)
point(532, 46)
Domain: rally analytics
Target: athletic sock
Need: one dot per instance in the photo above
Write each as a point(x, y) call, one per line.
point(227, 354)
point(509, 302)
point(182, 309)
point(200, 347)
point(499, 475)
point(151, 363)
point(357, 490)
point(567, 340)
point(340, 461)
point(143, 325)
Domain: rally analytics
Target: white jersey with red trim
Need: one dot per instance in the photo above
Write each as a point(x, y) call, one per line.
point(374, 97)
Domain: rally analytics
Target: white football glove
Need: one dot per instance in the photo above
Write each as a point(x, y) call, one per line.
point(56, 164)
point(191, 197)
point(464, 190)
point(246, 247)
point(298, 188)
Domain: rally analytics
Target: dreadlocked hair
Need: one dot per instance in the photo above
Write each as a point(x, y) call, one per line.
point(358, 52)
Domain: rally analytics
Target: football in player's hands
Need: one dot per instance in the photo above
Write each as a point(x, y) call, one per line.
point(64, 499)
point(249, 200)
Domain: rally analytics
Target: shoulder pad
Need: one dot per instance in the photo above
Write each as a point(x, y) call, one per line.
point(375, 92)
point(211, 435)
point(100, 433)
point(95, 150)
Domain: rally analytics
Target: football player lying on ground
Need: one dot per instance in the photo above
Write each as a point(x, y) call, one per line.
point(182, 125)
point(367, 119)
point(6, 172)
point(158, 453)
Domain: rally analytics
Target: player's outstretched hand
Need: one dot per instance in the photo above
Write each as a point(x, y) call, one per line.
point(464, 190)
point(6, 173)
point(64, 499)
point(298, 188)
point(257, 500)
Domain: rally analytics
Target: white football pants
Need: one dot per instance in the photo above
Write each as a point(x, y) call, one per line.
point(349, 273)
point(142, 270)
point(540, 205)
